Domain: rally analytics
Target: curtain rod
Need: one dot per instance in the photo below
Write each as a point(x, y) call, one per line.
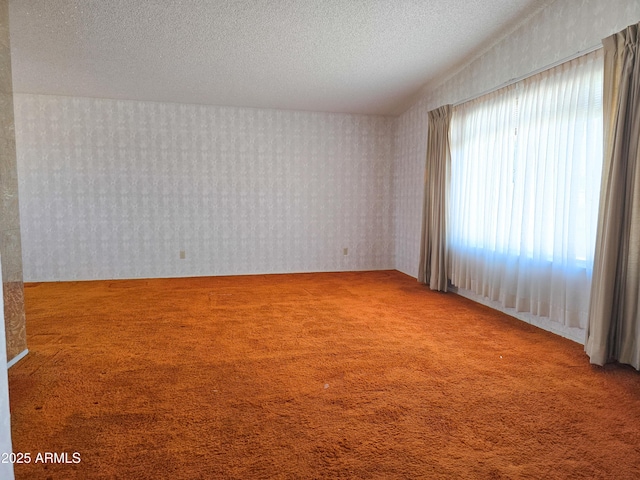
point(531, 74)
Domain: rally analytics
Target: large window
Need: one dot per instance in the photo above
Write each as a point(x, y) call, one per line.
point(525, 182)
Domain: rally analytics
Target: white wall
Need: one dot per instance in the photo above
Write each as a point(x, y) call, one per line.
point(116, 189)
point(561, 29)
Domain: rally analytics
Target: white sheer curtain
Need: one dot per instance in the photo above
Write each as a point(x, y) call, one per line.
point(525, 179)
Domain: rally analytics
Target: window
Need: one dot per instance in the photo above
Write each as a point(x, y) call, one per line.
point(525, 183)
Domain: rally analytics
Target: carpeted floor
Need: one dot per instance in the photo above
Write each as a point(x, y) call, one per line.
point(336, 375)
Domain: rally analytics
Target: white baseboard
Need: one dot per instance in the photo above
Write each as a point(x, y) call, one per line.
point(17, 358)
point(575, 334)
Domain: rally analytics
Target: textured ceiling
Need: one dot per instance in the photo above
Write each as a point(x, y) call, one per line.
point(358, 56)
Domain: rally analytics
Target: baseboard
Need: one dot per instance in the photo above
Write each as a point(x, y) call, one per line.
point(17, 358)
point(574, 334)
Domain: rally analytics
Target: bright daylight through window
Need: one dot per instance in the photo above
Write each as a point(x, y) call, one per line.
point(525, 182)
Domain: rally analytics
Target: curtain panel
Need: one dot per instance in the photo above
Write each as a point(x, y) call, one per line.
point(525, 176)
point(613, 331)
point(433, 243)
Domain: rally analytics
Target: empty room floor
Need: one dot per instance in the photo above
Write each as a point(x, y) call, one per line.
point(324, 375)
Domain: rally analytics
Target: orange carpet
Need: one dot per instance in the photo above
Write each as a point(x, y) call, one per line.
point(337, 375)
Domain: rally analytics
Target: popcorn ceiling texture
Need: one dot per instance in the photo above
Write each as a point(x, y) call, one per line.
point(362, 56)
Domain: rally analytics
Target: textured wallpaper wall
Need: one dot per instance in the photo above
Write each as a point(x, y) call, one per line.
point(117, 189)
point(13, 320)
point(10, 245)
point(561, 29)
point(409, 162)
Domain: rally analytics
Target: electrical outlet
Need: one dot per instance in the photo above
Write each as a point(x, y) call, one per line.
point(182, 255)
point(345, 251)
